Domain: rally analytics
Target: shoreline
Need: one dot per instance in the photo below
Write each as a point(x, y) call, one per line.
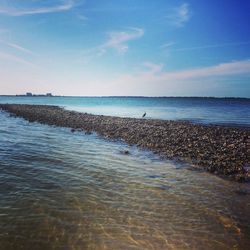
point(218, 149)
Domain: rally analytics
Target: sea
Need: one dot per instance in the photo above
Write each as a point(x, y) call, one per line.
point(64, 190)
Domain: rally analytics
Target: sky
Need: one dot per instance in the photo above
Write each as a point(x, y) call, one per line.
point(125, 47)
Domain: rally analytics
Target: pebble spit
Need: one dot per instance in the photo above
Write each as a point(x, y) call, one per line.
point(220, 150)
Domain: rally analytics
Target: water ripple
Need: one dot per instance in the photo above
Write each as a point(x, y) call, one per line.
point(63, 190)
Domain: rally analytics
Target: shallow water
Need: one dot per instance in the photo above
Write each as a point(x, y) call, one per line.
point(63, 190)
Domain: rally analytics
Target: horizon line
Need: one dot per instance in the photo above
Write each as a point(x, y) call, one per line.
point(130, 96)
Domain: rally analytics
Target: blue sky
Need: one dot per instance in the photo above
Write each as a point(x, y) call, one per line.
point(128, 47)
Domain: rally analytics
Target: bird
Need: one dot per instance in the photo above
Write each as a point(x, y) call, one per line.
point(144, 114)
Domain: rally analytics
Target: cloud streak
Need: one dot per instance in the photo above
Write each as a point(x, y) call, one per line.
point(155, 74)
point(8, 57)
point(65, 6)
point(17, 47)
point(117, 41)
point(223, 69)
point(167, 45)
point(179, 16)
point(212, 46)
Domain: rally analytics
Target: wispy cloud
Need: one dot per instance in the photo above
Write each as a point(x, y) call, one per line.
point(153, 68)
point(167, 45)
point(212, 46)
point(17, 47)
point(116, 8)
point(82, 17)
point(12, 58)
point(117, 41)
point(65, 6)
point(229, 68)
point(179, 15)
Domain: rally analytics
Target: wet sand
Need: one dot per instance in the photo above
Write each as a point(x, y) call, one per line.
point(218, 149)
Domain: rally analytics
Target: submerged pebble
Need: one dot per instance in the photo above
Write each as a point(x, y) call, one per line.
point(125, 152)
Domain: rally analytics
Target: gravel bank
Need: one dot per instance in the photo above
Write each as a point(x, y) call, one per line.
point(218, 149)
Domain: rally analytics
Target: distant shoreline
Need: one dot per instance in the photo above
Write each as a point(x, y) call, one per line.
point(218, 149)
point(181, 97)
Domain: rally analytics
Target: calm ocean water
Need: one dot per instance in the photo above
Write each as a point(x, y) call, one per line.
point(63, 190)
point(232, 111)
